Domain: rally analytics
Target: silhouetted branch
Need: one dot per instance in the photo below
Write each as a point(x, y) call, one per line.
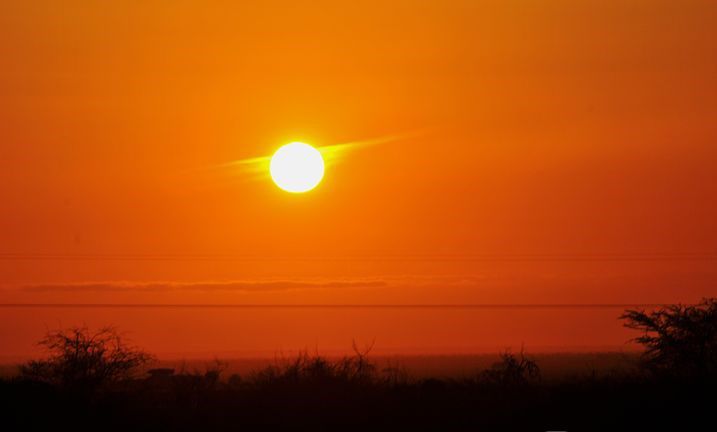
point(678, 339)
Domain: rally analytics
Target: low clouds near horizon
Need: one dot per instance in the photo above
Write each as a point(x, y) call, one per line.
point(243, 285)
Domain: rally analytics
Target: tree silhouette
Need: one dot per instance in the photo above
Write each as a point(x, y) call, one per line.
point(679, 340)
point(84, 360)
point(511, 370)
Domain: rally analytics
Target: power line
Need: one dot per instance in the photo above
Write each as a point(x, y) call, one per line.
point(405, 258)
point(339, 306)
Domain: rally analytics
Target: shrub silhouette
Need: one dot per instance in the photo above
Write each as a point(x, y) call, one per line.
point(311, 392)
point(679, 340)
point(83, 360)
point(307, 368)
point(511, 370)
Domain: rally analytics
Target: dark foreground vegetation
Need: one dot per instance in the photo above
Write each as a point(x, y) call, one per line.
point(93, 381)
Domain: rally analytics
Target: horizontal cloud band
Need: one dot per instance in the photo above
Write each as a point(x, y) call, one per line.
point(261, 285)
point(249, 286)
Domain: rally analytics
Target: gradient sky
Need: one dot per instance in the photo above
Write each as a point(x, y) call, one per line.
point(558, 152)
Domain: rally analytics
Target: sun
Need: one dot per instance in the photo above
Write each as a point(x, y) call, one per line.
point(297, 167)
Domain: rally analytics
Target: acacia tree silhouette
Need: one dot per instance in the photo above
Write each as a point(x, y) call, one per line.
point(83, 360)
point(679, 340)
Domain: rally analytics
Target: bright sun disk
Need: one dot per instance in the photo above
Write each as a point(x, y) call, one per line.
point(297, 167)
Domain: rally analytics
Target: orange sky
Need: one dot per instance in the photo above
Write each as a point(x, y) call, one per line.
point(566, 155)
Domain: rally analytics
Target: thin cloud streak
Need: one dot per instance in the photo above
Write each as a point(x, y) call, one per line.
point(271, 285)
point(236, 286)
point(331, 153)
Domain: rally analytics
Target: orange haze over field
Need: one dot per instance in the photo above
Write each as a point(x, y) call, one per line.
point(552, 152)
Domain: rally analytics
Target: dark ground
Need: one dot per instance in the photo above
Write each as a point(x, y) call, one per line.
point(316, 396)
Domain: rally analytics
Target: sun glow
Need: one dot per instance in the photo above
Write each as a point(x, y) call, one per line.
point(297, 167)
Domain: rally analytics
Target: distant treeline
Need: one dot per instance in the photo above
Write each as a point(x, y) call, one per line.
point(93, 380)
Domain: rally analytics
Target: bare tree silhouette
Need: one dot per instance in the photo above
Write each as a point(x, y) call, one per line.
point(511, 370)
point(356, 369)
point(84, 360)
point(679, 340)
